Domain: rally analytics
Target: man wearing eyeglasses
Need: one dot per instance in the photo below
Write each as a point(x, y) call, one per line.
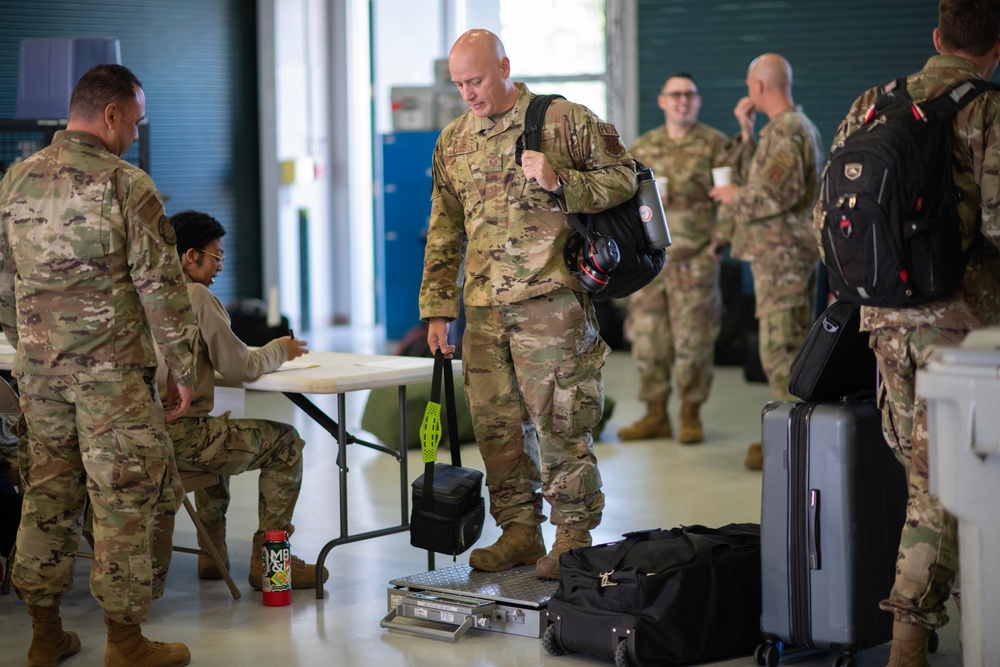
point(673, 322)
point(223, 445)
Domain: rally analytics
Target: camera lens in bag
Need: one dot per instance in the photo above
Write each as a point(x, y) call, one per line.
point(591, 260)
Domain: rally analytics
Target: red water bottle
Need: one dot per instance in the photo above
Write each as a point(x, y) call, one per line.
point(277, 556)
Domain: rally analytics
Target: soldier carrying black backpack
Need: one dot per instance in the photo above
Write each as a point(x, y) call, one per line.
point(923, 257)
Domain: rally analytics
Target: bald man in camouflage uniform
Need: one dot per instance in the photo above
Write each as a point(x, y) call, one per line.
point(87, 273)
point(967, 39)
point(674, 321)
point(531, 333)
point(772, 217)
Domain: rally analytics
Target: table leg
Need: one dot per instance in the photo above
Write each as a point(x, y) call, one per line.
point(339, 431)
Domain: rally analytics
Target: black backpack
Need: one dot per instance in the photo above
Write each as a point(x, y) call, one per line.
point(637, 265)
point(891, 231)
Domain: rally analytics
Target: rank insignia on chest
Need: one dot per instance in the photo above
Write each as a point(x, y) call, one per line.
point(493, 163)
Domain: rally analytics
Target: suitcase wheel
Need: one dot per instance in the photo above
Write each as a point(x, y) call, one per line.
point(845, 661)
point(550, 643)
point(767, 655)
point(621, 654)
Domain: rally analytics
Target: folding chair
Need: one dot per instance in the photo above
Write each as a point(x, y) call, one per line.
point(194, 480)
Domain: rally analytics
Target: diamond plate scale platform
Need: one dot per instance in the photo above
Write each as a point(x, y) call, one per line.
point(446, 603)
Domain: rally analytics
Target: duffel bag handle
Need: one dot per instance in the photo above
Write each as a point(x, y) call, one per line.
point(703, 549)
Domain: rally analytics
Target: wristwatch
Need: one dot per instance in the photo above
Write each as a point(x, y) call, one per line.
point(559, 187)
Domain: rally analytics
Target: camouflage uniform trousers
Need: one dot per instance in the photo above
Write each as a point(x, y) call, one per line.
point(98, 435)
point(928, 547)
point(673, 322)
point(546, 355)
point(786, 299)
point(227, 446)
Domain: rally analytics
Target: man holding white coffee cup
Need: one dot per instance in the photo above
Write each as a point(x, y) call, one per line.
point(673, 322)
point(772, 217)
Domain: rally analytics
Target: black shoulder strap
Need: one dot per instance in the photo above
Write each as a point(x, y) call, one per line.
point(432, 421)
point(955, 98)
point(534, 118)
point(531, 140)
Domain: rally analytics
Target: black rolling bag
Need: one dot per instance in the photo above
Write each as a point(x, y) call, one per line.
point(660, 597)
point(832, 508)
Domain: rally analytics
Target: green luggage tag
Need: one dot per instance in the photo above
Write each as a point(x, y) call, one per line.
point(430, 432)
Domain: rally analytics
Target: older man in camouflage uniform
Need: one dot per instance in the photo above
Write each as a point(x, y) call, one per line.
point(772, 215)
point(531, 334)
point(967, 39)
point(674, 321)
point(87, 273)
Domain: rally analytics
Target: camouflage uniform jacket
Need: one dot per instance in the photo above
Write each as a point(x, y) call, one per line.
point(88, 267)
point(512, 231)
point(977, 301)
point(219, 349)
point(781, 177)
point(687, 163)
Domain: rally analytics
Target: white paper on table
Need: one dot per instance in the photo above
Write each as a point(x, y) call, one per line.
point(294, 366)
point(400, 362)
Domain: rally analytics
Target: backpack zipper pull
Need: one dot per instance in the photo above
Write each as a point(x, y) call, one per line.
point(869, 115)
point(918, 113)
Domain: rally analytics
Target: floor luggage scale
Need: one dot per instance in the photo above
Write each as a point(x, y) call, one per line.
point(447, 603)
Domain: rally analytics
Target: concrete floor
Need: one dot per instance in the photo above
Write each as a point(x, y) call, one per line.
point(648, 484)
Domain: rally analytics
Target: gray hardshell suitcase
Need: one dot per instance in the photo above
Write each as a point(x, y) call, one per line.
point(832, 508)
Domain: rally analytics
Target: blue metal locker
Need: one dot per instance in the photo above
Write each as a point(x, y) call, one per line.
point(403, 208)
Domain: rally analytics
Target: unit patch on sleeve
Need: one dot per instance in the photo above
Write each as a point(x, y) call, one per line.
point(775, 172)
point(612, 144)
point(167, 231)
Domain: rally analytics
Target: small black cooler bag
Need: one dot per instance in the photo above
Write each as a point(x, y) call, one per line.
point(661, 597)
point(448, 507)
point(835, 360)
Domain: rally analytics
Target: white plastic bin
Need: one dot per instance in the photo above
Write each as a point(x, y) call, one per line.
point(962, 387)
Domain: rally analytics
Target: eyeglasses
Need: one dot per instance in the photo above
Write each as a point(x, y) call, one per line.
point(677, 94)
point(218, 258)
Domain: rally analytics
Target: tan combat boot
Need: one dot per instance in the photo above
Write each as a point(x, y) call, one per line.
point(690, 431)
point(128, 648)
point(755, 457)
point(206, 565)
point(303, 573)
point(655, 424)
point(520, 544)
point(547, 566)
point(49, 643)
point(909, 645)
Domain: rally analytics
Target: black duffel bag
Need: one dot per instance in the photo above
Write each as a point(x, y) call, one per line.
point(448, 506)
point(660, 597)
